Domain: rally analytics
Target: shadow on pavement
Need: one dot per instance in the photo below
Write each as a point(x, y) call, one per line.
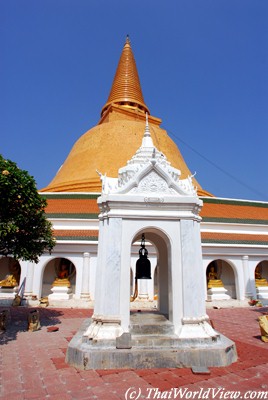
point(17, 321)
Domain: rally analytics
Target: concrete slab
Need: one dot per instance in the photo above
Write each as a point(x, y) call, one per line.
point(200, 370)
point(153, 345)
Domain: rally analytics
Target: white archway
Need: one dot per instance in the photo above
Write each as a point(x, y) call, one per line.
point(262, 266)
point(51, 270)
point(9, 266)
point(227, 273)
point(161, 244)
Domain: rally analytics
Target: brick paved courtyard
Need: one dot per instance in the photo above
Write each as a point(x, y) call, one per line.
point(33, 366)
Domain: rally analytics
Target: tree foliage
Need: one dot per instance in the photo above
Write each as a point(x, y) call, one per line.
point(25, 232)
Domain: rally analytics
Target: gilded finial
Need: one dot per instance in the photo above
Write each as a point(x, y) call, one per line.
point(147, 129)
point(126, 89)
point(147, 140)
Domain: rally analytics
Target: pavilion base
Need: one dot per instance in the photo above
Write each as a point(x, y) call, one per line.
point(7, 295)
point(60, 293)
point(262, 292)
point(146, 347)
point(217, 293)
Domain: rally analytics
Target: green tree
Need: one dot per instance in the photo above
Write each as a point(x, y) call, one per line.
point(25, 232)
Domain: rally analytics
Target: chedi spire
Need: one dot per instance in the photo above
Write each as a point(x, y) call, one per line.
point(126, 89)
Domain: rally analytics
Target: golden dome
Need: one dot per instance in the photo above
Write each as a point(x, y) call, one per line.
point(118, 135)
point(106, 148)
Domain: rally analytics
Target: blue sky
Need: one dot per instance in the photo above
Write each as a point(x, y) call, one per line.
point(202, 65)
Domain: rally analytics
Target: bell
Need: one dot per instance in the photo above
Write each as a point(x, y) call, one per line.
point(143, 265)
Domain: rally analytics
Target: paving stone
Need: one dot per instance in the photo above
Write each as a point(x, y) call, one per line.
point(200, 370)
point(41, 356)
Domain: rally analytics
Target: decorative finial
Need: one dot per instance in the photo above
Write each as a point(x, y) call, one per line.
point(147, 140)
point(126, 87)
point(147, 129)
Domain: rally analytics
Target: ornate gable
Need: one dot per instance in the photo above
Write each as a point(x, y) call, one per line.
point(152, 183)
point(147, 172)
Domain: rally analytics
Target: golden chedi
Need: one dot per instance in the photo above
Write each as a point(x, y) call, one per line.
point(213, 280)
point(109, 145)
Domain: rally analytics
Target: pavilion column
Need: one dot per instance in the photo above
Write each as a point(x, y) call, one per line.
point(195, 320)
point(248, 287)
point(28, 291)
point(143, 289)
point(85, 277)
point(192, 272)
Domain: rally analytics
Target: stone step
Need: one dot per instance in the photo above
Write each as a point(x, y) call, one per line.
point(154, 341)
point(146, 323)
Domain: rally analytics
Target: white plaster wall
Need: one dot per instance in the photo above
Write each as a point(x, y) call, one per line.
point(109, 269)
point(92, 275)
point(236, 278)
point(243, 260)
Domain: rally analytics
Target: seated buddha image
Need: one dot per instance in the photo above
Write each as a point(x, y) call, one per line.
point(63, 276)
point(213, 280)
point(9, 282)
point(259, 280)
point(12, 279)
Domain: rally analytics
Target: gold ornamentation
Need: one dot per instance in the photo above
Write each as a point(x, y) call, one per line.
point(126, 89)
point(259, 280)
point(63, 276)
point(213, 280)
point(263, 322)
point(9, 282)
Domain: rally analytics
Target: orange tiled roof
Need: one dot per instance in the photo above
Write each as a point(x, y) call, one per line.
point(219, 210)
point(234, 211)
point(218, 237)
point(70, 205)
point(64, 205)
point(76, 234)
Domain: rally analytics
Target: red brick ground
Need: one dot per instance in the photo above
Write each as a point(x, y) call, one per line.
point(32, 363)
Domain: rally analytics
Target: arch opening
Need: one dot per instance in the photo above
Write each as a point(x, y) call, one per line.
point(158, 288)
point(220, 274)
point(10, 272)
point(261, 280)
point(58, 268)
point(261, 270)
